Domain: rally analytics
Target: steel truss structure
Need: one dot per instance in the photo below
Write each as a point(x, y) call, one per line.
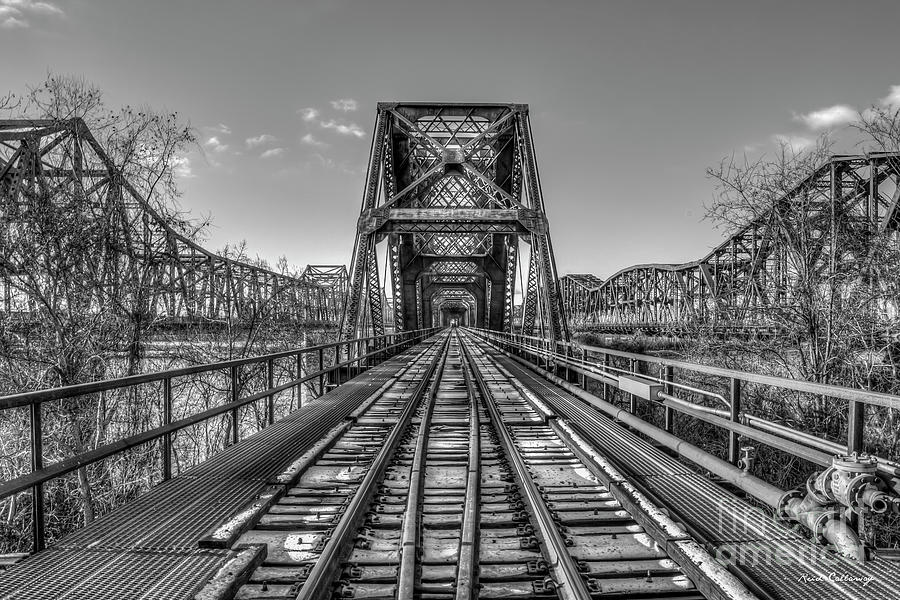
point(751, 274)
point(453, 203)
point(49, 162)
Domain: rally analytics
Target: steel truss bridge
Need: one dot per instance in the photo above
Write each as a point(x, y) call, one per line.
point(456, 457)
point(140, 260)
point(750, 276)
point(452, 201)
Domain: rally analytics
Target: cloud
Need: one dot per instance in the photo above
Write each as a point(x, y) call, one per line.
point(826, 118)
point(310, 140)
point(261, 139)
point(181, 167)
point(892, 100)
point(343, 128)
point(13, 23)
point(272, 153)
point(797, 143)
point(344, 104)
point(215, 145)
point(41, 7)
point(308, 113)
point(14, 14)
point(221, 129)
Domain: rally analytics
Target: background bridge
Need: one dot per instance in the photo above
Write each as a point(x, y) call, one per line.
point(142, 263)
point(751, 277)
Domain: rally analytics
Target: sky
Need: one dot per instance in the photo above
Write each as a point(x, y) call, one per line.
point(630, 101)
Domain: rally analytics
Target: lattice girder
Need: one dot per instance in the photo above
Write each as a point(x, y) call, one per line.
point(460, 185)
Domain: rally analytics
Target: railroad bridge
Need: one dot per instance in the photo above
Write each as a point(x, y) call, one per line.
point(452, 448)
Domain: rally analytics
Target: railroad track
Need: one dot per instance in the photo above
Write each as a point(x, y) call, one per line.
point(454, 484)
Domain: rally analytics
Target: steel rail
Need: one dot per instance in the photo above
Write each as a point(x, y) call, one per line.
point(409, 534)
point(318, 583)
point(715, 579)
point(468, 539)
point(754, 486)
point(785, 439)
point(570, 584)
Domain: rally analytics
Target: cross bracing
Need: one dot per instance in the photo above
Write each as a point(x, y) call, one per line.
point(451, 185)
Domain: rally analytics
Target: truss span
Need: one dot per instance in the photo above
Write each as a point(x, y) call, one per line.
point(750, 277)
point(139, 259)
point(453, 205)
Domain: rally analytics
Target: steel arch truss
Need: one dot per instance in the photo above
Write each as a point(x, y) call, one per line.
point(454, 191)
point(751, 277)
point(60, 164)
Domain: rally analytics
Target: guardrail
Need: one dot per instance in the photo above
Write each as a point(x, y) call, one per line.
point(337, 361)
point(594, 362)
point(850, 483)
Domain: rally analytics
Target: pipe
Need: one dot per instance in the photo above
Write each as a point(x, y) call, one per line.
point(765, 492)
point(670, 400)
point(875, 499)
point(793, 434)
point(824, 523)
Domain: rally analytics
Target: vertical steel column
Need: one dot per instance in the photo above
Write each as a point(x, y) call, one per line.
point(632, 399)
point(321, 371)
point(167, 438)
point(734, 449)
point(584, 361)
point(605, 385)
point(270, 381)
point(300, 376)
point(235, 415)
point(856, 414)
point(37, 490)
point(669, 416)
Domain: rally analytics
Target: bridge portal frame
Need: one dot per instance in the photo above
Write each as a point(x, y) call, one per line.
point(450, 182)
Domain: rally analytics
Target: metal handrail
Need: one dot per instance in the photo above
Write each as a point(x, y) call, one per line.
point(810, 387)
point(738, 423)
point(40, 474)
point(80, 389)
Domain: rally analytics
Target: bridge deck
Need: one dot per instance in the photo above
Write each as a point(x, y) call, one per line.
point(495, 458)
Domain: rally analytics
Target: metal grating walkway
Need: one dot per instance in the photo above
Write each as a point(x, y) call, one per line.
point(148, 548)
point(782, 563)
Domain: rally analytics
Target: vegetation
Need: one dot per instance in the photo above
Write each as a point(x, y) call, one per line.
point(87, 319)
point(842, 327)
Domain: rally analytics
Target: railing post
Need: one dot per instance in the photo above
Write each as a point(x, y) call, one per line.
point(856, 413)
point(37, 490)
point(632, 399)
point(299, 375)
point(584, 360)
point(335, 374)
point(167, 420)
point(235, 416)
point(565, 352)
point(348, 363)
point(606, 369)
point(734, 449)
point(321, 371)
point(270, 381)
point(669, 414)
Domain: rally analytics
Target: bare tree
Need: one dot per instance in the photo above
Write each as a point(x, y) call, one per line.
point(65, 253)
